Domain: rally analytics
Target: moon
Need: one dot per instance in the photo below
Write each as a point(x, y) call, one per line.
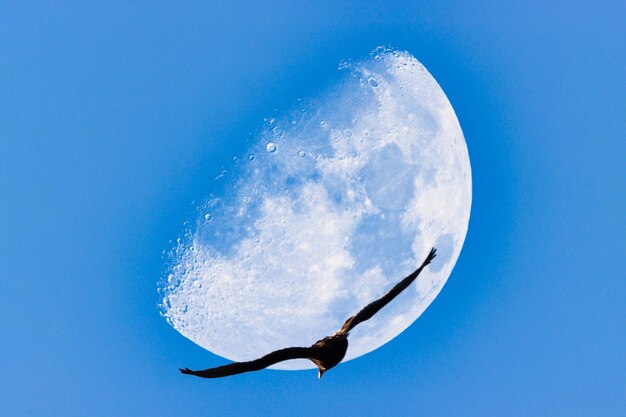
point(331, 206)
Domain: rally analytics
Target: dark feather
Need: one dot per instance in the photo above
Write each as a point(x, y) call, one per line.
point(255, 365)
point(372, 308)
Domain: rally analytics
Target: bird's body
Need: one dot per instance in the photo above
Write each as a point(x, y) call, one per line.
point(326, 353)
point(329, 352)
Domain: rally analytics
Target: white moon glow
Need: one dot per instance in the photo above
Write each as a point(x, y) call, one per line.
point(330, 208)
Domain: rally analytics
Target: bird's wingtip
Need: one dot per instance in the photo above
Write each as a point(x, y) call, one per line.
point(431, 255)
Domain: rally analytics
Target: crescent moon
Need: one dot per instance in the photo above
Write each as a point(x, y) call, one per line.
point(330, 206)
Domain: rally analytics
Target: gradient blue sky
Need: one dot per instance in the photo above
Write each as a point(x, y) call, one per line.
point(114, 119)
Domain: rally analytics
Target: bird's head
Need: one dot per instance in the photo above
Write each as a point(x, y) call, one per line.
point(320, 372)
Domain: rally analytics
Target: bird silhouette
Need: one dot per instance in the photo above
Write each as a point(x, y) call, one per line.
point(325, 353)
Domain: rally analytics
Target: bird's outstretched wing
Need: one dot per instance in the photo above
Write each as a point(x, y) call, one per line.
point(255, 365)
point(372, 308)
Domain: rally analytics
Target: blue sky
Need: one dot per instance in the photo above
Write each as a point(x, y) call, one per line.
point(114, 119)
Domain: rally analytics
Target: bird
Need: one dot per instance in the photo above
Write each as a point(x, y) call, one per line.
point(325, 353)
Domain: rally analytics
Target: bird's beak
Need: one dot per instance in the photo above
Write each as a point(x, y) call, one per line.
point(320, 372)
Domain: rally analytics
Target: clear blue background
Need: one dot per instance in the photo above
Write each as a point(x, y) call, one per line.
point(115, 117)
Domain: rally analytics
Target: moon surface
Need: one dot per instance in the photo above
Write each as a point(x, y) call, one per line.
point(331, 206)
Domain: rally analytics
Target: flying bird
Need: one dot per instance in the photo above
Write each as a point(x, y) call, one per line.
point(325, 353)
